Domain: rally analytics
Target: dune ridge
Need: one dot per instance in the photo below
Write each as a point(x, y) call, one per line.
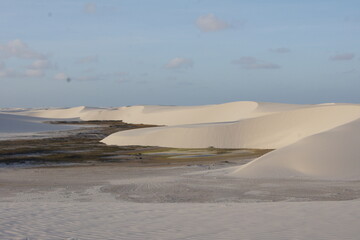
point(319, 141)
point(271, 131)
point(166, 115)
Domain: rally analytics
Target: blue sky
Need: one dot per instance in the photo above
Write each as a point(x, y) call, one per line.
point(183, 52)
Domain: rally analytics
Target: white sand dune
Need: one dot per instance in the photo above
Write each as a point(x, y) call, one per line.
point(334, 154)
point(167, 115)
point(311, 140)
point(318, 141)
point(271, 131)
point(59, 113)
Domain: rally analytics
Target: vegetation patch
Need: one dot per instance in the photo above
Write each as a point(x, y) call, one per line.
point(83, 146)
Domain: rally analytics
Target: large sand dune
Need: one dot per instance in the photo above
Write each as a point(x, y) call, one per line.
point(271, 131)
point(318, 141)
point(167, 115)
point(310, 140)
point(334, 154)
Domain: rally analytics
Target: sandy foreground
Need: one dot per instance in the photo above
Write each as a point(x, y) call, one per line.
point(314, 220)
point(308, 187)
point(184, 202)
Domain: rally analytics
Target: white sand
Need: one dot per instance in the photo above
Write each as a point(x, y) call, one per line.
point(334, 154)
point(92, 202)
point(266, 132)
point(318, 141)
point(166, 115)
point(256, 221)
point(308, 139)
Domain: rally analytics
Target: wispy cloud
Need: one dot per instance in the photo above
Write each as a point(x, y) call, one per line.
point(210, 23)
point(90, 8)
point(18, 49)
point(115, 76)
point(88, 59)
point(9, 73)
point(61, 76)
point(179, 62)
point(34, 73)
point(254, 63)
point(343, 57)
point(41, 64)
point(280, 50)
point(89, 78)
point(37, 68)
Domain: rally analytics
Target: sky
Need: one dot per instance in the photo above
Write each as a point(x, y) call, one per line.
point(183, 52)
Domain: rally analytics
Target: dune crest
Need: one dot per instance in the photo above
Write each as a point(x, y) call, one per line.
point(271, 131)
point(317, 141)
point(73, 112)
point(167, 115)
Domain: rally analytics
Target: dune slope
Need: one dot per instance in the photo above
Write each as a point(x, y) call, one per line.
point(271, 131)
point(317, 141)
point(167, 115)
point(334, 154)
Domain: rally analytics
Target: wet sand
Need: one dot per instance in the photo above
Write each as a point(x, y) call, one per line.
point(77, 167)
point(187, 183)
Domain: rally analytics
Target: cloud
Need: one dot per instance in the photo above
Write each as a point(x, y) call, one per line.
point(34, 73)
point(210, 23)
point(11, 73)
point(18, 49)
point(254, 63)
point(37, 68)
point(121, 77)
point(342, 57)
point(90, 8)
point(61, 76)
point(115, 76)
point(8, 73)
point(280, 50)
point(41, 64)
point(178, 62)
point(88, 78)
point(88, 59)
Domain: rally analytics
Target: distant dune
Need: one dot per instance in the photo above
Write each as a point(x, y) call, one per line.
point(319, 141)
point(166, 115)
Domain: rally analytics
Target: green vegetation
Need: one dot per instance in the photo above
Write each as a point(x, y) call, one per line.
point(83, 146)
